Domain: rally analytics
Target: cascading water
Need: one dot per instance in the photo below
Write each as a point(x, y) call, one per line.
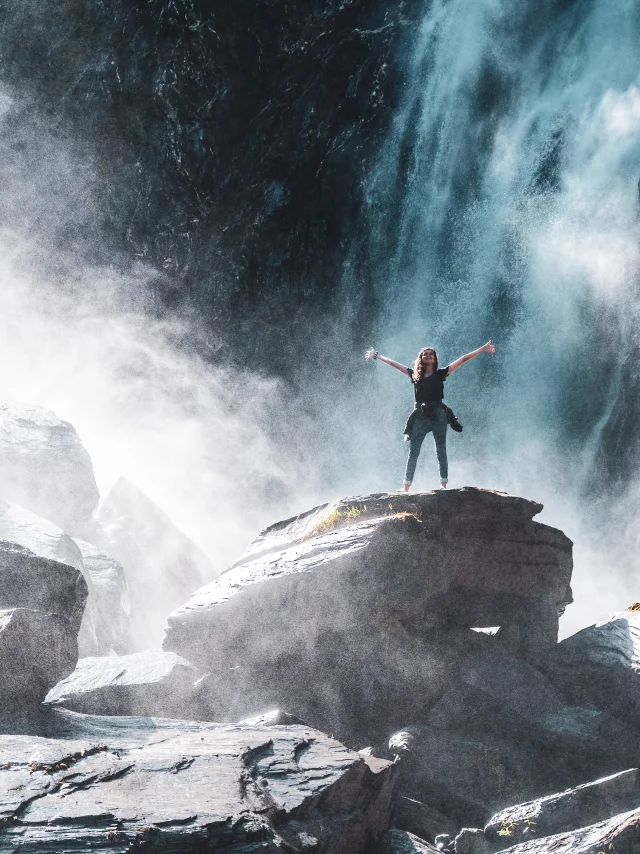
point(505, 204)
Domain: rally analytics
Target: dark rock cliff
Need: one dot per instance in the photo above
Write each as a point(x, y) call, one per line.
point(230, 140)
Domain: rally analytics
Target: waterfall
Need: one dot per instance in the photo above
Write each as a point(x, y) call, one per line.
point(504, 204)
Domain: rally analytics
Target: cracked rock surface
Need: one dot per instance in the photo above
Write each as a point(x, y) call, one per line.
point(113, 784)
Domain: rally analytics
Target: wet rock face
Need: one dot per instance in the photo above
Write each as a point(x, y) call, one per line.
point(44, 467)
point(170, 786)
point(353, 615)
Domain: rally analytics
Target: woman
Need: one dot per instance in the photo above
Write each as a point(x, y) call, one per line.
point(430, 414)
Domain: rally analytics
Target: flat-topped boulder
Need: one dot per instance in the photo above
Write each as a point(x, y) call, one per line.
point(118, 784)
point(44, 466)
point(362, 605)
point(152, 682)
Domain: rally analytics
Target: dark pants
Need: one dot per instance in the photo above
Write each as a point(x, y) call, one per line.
point(435, 423)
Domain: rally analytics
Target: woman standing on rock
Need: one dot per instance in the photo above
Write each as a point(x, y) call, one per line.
point(429, 415)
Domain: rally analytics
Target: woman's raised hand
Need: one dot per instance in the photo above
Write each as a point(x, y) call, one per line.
point(371, 353)
point(489, 348)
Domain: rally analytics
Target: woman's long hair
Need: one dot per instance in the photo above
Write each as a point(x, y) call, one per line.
point(418, 367)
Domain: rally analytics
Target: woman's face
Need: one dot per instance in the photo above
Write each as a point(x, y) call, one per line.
point(428, 357)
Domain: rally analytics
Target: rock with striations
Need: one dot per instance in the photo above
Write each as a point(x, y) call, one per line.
point(108, 600)
point(352, 615)
point(566, 811)
point(152, 682)
point(36, 651)
point(617, 835)
point(162, 565)
point(45, 468)
point(119, 784)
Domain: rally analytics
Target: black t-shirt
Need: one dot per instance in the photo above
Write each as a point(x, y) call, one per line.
point(430, 389)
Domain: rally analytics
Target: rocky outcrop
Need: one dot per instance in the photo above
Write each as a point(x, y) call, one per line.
point(571, 810)
point(36, 651)
point(599, 666)
point(44, 467)
point(171, 786)
point(39, 584)
point(162, 565)
point(152, 682)
point(378, 595)
point(41, 605)
point(618, 835)
point(108, 601)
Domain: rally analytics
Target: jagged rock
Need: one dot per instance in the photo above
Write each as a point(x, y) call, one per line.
point(108, 600)
point(171, 786)
point(598, 666)
point(471, 840)
point(40, 584)
point(444, 842)
point(44, 467)
point(162, 565)
point(401, 842)
point(36, 651)
point(152, 682)
point(414, 574)
point(618, 835)
point(570, 810)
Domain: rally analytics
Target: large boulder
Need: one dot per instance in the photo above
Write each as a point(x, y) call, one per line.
point(44, 466)
point(36, 651)
point(352, 615)
point(566, 811)
point(119, 784)
point(46, 539)
point(599, 666)
point(152, 682)
point(40, 584)
point(162, 565)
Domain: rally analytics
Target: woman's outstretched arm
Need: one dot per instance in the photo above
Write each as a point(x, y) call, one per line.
point(486, 348)
point(373, 354)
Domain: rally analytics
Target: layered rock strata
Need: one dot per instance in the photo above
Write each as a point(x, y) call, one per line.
point(168, 786)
